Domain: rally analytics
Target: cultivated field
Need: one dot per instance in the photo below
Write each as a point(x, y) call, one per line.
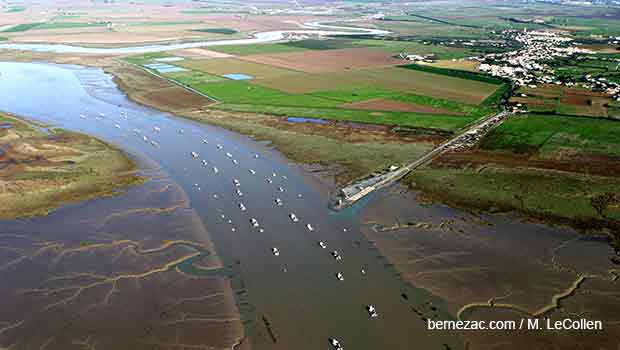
point(319, 61)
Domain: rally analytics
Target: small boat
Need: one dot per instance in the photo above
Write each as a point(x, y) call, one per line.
point(278, 202)
point(194, 155)
point(205, 141)
point(293, 217)
point(180, 131)
point(215, 196)
point(284, 177)
point(82, 116)
point(239, 193)
point(261, 230)
point(254, 222)
point(228, 155)
point(154, 144)
point(275, 251)
point(236, 182)
point(269, 180)
point(145, 139)
point(136, 131)
point(322, 244)
point(156, 129)
point(235, 162)
point(233, 229)
point(101, 115)
point(215, 170)
point(204, 162)
point(252, 172)
point(219, 146)
point(363, 271)
point(273, 174)
point(280, 189)
point(371, 311)
point(256, 156)
point(242, 207)
point(339, 276)
point(223, 216)
point(336, 255)
point(344, 229)
point(299, 195)
point(335, 344)
point(309, 227)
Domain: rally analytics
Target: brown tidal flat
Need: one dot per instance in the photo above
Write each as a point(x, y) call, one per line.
point(106, 274)
point(499, 268)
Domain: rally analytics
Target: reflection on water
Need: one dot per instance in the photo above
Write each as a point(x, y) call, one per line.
point(292, 301)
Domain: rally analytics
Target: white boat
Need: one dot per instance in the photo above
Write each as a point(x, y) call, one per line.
point(280, 189)
point(309, 227)
point(215, 170)
point(228, 155)
point(145, 139)
point(269, 180)
point(117, 126)
point(278, 202)
point(136, 131)
point(204, 162)
point(82, 116)
point(236, 182)
point(242, 207)
point(275, 251)
point(256, 156)
point(252, 172)
point(180, 131)
point(101, 115)
point(339, 276)
point(205, 141)
point(154, 144)
point(322, 244)
point(299, 195)
point(293, 217)
point(273, 174)
point(219, 146)
point(363, 271)
point(254, 222)
point(371, 311)
point(239, 193)
point(156, 129)
point(235, 162)
point(336, 344)
point(336, 255)
point(284, 177)
point(194, 155)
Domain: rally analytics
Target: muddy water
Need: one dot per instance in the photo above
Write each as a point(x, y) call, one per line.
point(292, 301)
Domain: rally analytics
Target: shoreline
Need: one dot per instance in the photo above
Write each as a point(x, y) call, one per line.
point(40, 194)
point(278, 132)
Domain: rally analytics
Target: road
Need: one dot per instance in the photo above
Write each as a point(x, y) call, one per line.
point(465, 139)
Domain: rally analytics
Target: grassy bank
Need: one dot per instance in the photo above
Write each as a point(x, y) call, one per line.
point(43, 171)
point(556, 168)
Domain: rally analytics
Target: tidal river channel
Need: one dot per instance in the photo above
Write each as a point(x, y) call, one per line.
point(290, 301)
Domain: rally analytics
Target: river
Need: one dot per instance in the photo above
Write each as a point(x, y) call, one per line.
point(314, 28)
point(297, 291)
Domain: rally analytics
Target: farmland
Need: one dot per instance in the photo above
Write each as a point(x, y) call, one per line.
point(378, 95)
point(517, 169)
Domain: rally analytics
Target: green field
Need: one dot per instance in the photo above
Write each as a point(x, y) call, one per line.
point(454, 100)
point(226, 31)
point(255, 49)
point(547, 135)
point(51, 25)
point(21, 27)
